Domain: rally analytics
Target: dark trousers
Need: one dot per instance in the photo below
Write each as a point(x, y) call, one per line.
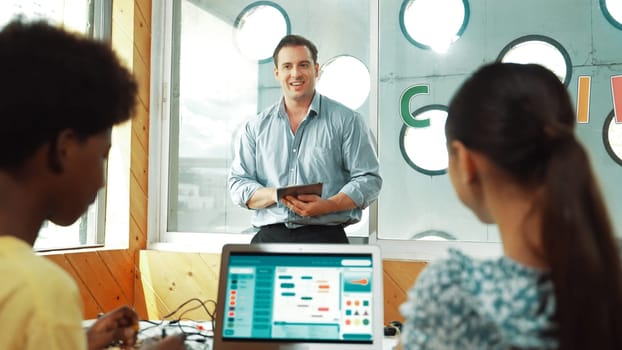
point(278, 233)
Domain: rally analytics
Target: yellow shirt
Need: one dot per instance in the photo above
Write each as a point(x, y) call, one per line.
point(40, 306)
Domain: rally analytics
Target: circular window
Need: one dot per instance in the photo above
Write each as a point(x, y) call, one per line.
point(612, 137)
point(434, 24)
point(612, 9)
point(424, 148)
point(540, 50)
point(259, 28)
point(345, 79)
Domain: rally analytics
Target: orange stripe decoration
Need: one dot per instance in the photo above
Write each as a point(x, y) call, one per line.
point(616, 92)
point(583, 99)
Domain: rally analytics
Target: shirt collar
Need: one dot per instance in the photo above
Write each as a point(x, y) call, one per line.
point(314, 107)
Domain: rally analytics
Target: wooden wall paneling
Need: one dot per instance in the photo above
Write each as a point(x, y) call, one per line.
point(157, 277)
point(142, 37)
point(141, 122)
point(141, 68)
point(140, 47)
point(120, 263)
point(139, 146)
point(175, 278)
point(399, 277)
point(148, 300)
point(140, 162)
point(89, 304)
point(141, 131)
point(99, 280)
point(393, 297)
point(138, 239)
point(139, 212)
point(144, 296)
point(102, 287)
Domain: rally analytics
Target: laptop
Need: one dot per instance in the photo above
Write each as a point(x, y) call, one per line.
point(299, 296)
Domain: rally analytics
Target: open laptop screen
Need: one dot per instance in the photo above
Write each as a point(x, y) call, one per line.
point(322, 296)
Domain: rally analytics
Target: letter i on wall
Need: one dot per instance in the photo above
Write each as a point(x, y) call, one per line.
point(616, 93)
point(583, 99)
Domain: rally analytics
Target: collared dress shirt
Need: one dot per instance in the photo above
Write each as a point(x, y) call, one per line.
point(332, 145)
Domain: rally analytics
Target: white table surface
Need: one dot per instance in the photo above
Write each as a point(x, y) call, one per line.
point(152, 332)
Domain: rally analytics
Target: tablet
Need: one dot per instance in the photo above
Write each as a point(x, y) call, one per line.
point(299, 189)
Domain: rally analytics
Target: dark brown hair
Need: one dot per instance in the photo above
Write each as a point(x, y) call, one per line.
point(294, 40)
point(522, 119)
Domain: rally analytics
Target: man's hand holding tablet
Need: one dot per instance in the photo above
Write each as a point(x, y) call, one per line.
point(296, 190)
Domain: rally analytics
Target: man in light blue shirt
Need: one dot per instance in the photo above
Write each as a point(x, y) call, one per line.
point(302, 139)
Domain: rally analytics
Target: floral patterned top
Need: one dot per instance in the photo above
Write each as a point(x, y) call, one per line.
point(463, 303)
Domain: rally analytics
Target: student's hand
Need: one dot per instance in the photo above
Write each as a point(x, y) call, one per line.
point(172, 342)
point(119, 326)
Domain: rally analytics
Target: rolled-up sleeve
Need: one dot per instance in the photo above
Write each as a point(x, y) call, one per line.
point(361, 161)
point(242, 175)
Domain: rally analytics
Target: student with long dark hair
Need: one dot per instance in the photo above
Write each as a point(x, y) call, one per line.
point(515, 161)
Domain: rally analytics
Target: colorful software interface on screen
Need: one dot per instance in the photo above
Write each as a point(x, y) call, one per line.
point(299, 297)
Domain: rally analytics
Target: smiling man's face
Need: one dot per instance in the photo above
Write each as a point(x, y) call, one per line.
point(297, 73)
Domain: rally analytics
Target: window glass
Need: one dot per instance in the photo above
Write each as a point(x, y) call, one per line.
point(411, 201)
point(424, 148)
point(217, 93)
point(74, 15)
point(258, 29)
point(540, 50)
point(612, 9)
point(215, 88)
point(345, 79)
point(86, 231)
point(434, 24)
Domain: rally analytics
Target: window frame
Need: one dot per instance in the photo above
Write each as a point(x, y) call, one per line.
point(545, 39)
point(162, 73)
point(609, 119)
point(100, 19)
point(253, 5)
point(411, 40)
point(615, 22)
point(402, 139)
